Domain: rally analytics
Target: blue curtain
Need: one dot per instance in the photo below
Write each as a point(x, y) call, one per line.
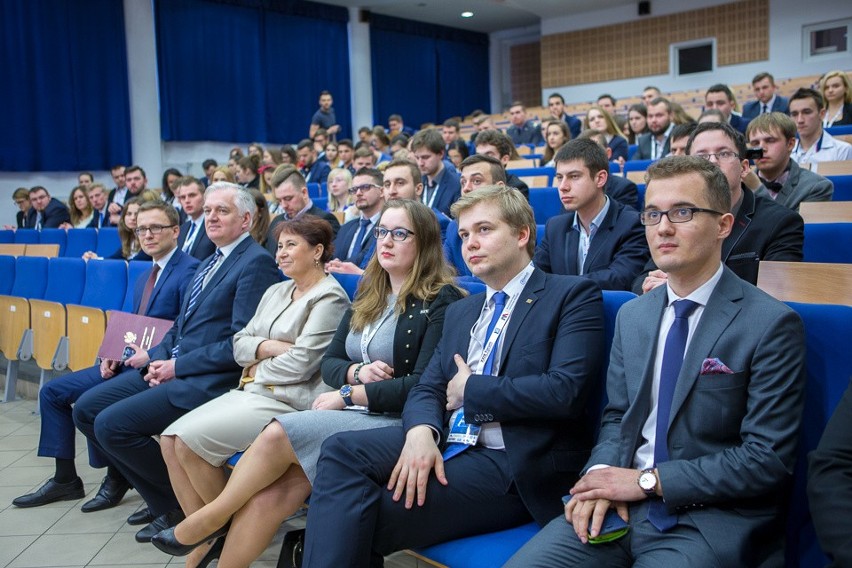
point(249, 70)
point(425, 72)
point(66, 96)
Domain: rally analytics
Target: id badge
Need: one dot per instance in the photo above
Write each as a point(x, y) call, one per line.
point(460, 431)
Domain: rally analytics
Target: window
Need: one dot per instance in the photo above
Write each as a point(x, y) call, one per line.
point(827, 40)
point(689, 58)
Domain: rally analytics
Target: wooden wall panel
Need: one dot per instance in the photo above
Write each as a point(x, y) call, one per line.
point(526, 73)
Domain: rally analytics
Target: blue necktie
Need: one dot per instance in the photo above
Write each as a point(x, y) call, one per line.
point(197, 286)
point(100, 219)
point(673, 354)
point(189, 233)
point(358, 241)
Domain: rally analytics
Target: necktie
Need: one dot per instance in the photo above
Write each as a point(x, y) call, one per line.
point(38, 221)
point(765, 108)
point(358, 241)
point(187, 244)
point(148, 290)
point(100, 219)
point(673, 354)
point(195, 292)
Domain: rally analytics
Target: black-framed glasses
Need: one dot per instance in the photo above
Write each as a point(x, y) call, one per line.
point(676, 215)
point(399, 234)
point(362, 188)
point(723, 156)
point(155, 229)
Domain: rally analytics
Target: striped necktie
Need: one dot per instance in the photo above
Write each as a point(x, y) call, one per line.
point(197, 287)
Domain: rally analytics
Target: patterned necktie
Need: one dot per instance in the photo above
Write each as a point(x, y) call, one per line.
point(148, 290)
point(38, 221)
point(187, 244)
point(197, 286)
point(673, 354)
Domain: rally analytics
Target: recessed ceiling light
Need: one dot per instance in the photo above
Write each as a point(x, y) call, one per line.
point(467, 14)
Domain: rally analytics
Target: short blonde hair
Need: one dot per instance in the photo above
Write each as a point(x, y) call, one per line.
point(514, 208)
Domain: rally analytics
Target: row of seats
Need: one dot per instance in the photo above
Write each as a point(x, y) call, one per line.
point(72, 242)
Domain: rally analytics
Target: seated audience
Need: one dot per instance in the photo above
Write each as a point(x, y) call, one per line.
point(523, 130)
point(222, 173)
point(130, 248)
point(637, 119)
point(46, 212)
point(100, 206)
point(721, 98)
point(807, 109)
point(607, 103)
point(457, 151)
point(556, 134)
point(396, 126)
point(339, 200)
point(331, 155)
point(21, 196)
point(313, 170)
point(362, 158)
point(617, 187)
point(450, 132)
point(167, 194)
point(272, 157)
point(380, 143)
point(346, 151)
point(499, 146)
point(649, 94)
point(193, 239)
point(288, 155)
point(247, 171)
point(440, 185)
point(85, 179)
point(159, 292)
point(209, 166)
point(355, 242)
point(679, 115)
point(780, 177)
point(381, 347)
point(118, 193)
point(837, 92)
point(599, 238)
point(768, 100)
point(556, 106)
point(655, 144)
point(260, 223)
point(401, 180)
point(679, 137)
point(79, 209)
point(255, 149)
point(695, 458)
point(600, 120)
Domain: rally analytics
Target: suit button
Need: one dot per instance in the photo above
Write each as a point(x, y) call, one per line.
point(408, 346)
point(408, 331)
point(406, 360)
point(410, 316)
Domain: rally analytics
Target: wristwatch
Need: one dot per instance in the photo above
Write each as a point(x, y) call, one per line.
point(346, 394)
point(648, 481)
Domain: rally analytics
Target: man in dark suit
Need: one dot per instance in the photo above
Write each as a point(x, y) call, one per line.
point(136, 181)
point(46, 212)
point(192, 365)
point(599, 238)
point(768, 100)
point(440, 186)
point(523, 130)
point(556, 106)
point(762, 230)
point(157, 223)
point(100, 206)
point(119, 193)
point(313, 170)
point(518, 387)
point(355, 242)
point(655, 144)
point(193, 239)
point(291, 191)
point(617, 187)
point(706, 389)
point(499, 146)
point(721, 98)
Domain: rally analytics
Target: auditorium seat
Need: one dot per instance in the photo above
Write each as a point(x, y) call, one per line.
point(54, 237)
point(826, 211)
point(108, 242)
point(545, 203)
point(7, 236)
point(26, 236)
point(531, 171)
point(349, 283)
point(828, 242)
point(808, 282)
point(135, 269)
point(7, 274)
point(314, 190)
point(842, 187)
point(637, 165)
point(321, 202)
point(79, 241)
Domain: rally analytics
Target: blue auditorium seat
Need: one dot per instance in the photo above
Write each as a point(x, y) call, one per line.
point(641, 188)
point(26, 236)
point(545, 203)
point(108, 241)
point(7, 236)
point(828, 242)
point(321, 202)
point(79, 241)
point(349, 283)
point(841, 130)
point(135, 269)
point(539, 233)
point(637, 165)
point(7, 274)
point(106, 284)
point(314, 190)
point(66, 278)
point(30, 277)
point(842, 188)
point(54, 237)
point(471, 284)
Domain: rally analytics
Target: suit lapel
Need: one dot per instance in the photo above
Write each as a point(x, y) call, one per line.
point(792, 180)
point(741, 223)
point(161, 281)
point(572, 242)
point(603, 235)
point(525, 302)
point(220, 273)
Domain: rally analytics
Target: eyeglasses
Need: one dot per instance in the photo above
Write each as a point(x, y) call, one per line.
point(723, 156)
point(155, 229)
point(677, 215)
point(396, 234)
point(362, 188)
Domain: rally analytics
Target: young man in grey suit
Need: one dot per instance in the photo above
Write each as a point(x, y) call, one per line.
point(193, 364)
point(514, 367)
point(706, 389)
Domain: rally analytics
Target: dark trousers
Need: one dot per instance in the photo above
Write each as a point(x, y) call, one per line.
point(57, 425)
point(353, 520)
point(120, 417)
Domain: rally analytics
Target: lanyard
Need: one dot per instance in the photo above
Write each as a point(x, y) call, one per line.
point(370, 331)
point(504, 318)
point(427, 199)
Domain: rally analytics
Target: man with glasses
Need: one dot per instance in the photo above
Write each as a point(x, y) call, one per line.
point(706, 389)
point(46, 212)
point(158, 293)
point(356, 243)
point(762, 230)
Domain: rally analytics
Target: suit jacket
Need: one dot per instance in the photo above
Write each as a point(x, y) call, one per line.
point(53, 215)
point(514, 181)
point(551, 355)
point(171, 288)
point(739, 122)
point(452, 249)
point(449, 190)
point(622, 190)
point(202, 247)
point(751, 109)
point(801, 185)
point(763, 230)
point(731, 437)
point(93, 224)
point(318, 172)
point(617, 253)
point(22, 219)
point(205, 366)
point(619, 148)
point(529, 133)
point(272, 243)
point(845, 116)
point(643, 151)
point(418, 330)
point(360, 257)
point(575, 125)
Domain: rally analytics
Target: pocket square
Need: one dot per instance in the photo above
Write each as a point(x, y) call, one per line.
point(715, 367)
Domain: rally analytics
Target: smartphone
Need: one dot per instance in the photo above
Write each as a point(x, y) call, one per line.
point(127, 353)
point(753, 154)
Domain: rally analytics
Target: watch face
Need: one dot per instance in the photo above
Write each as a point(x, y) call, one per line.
point(346, 390)
point(647, 481)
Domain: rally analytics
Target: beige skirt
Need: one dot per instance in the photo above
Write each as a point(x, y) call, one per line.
point(226, 425)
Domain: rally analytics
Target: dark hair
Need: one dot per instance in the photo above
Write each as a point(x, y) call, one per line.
point(683, 130)
point(762, 76)
point(395, 117)
point(412, 169)
point(171, 213)
point(715, 183)
point(378, 177)
point(804, 93)
point(260, 221)
point(325, 93)
point(36, 188)
point(345, 142)
point(209, 163)
point(305, 143)
point(129, 169)
point(660, 101)
point(452, 123)
point(735, 136)
point(610, 97)
point(315, 230)
point(430, 139)
point(291, 153)
point(498, 172)
point(721, 88)
point(556, 96)
point(497, 139)
point(167, 190)
point(461, 146)
point(366, 129)
point(250, 163)
point(589, 151)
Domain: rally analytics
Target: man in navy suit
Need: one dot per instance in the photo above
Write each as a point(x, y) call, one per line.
point(192, 365)
point(46, 212)
point(314, 170)
point(355, 243)
point(523, 130)
point(598, 238)
point(768, 100)
point(656, 144)
point(100, 206)
point(556, 106)
point(720, 97)
point(193, 239)
point(512, 374)
point(157, 226)
point(440, 186)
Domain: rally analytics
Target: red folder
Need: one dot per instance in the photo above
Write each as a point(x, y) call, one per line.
point(124, 328)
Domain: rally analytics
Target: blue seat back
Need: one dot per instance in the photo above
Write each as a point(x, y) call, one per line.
point(840, 130)
point(637, 165)
point(349, 283)
point(135, 269)
point(828, 242)
point(26, 236)
point(539, 234)
point(108, 241)
point(321, 202)
point(79, 241)
point(54, 237)
point(106, 284)
point(472, 284)
point(545, 203)
point(842, 188)
point(314, 190)
point(66, 278)
point(7, 236)
point(7, 274)
point(30, 277)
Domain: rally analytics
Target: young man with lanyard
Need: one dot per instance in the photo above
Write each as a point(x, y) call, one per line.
point(515, 364)
point(440, 186)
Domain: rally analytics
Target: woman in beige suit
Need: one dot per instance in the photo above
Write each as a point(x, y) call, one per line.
point(280, 350)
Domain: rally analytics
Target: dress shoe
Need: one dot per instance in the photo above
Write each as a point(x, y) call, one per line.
point(167, 542)
point(141, 517)
point(161, 523)
point(109, 495)
point(51, 492)
point(292, 549)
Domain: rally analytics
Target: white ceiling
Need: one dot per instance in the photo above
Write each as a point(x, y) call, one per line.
point(489, 15)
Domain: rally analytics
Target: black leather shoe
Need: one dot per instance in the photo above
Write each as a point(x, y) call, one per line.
point(52, 492)
point(167, 542)
point(161, 523)
point(109, 495)
point(141, 517)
